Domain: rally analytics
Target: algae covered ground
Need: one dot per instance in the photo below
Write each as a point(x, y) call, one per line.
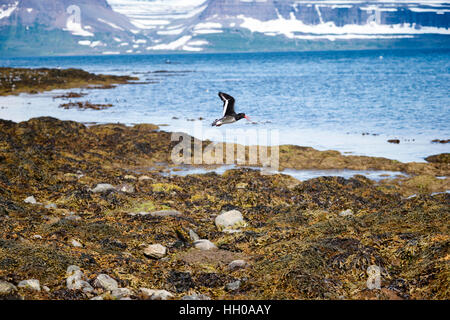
point(97, 197)
point(19, 80)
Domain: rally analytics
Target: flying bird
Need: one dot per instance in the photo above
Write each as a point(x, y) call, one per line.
point(229, 115)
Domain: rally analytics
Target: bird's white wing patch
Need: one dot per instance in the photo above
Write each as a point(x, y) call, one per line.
point(225, 106)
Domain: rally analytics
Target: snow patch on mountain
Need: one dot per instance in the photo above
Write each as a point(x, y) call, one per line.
point(7, 9)
point(76, 29)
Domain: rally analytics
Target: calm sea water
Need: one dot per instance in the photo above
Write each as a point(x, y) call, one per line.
point(347, 101)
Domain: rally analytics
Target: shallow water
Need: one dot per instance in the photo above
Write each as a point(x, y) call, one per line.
point(301, 175)
point(352, 102)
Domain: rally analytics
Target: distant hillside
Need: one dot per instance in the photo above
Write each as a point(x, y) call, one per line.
point(52, 27)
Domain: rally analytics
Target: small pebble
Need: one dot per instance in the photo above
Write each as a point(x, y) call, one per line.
point(233, 286)
point(196, 297)
point(76, 243)
point(32, 284)
point(237, 264)
point(155, 294)
point(121, 293)
point(103, 187)
point(193, 235)
point(155, 251)
point(7, 288)
point(106, 282)
point(346, 213)
point(30, 200)
point(204, 244)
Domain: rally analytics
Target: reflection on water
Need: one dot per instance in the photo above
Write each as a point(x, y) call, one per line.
point(301, 175)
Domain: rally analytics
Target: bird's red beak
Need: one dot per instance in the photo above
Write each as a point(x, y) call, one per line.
point(247, 118)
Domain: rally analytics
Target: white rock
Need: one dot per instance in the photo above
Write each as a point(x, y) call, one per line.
point(76, 243)
point(130, 177)
point(51, 206)
point(106, 282)
point(46, 289)
point(6, 288)
point(142, 178)
point(72, 269)
point(237, 264)
point(121, 293)
point(37, 236)
point(155, 251)
point(346, 213)
point(76, 280)
point(196, 297)
point(97, 298)
point(103, 187)
point(233, 286)
point(193, 235)
point(204, 244)
point(166, 213)
point(156, 294)
point(32, 284)
point(31, 200)
point(72, 217)
point(127, 188)
point(230, 220)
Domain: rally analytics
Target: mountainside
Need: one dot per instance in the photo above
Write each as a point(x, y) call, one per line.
point(145, 26)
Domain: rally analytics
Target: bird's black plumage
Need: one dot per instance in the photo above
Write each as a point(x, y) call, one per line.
point(229, 115)
point(228, 104)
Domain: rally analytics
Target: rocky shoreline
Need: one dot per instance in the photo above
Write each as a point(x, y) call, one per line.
point(14, 81)
point(81, 219)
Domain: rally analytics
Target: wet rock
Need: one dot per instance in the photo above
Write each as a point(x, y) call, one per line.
point(193, 235)
point(152, 294)
point(103, 187)
point(346, 213)
point(106, 282)
point(121, 293)
point(166, 213)
point(31, 284)
point(204, 244)
point(196, 297)
point(237, 264)
point(233, 286)
point(7, 288)
point(30, 200)
point(230, 220)
point(156, 251)
point(440, 141)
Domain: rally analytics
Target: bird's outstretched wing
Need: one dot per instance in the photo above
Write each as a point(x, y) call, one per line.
point(228, 104)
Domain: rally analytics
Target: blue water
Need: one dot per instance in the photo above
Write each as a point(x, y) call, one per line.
point(326, 100)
